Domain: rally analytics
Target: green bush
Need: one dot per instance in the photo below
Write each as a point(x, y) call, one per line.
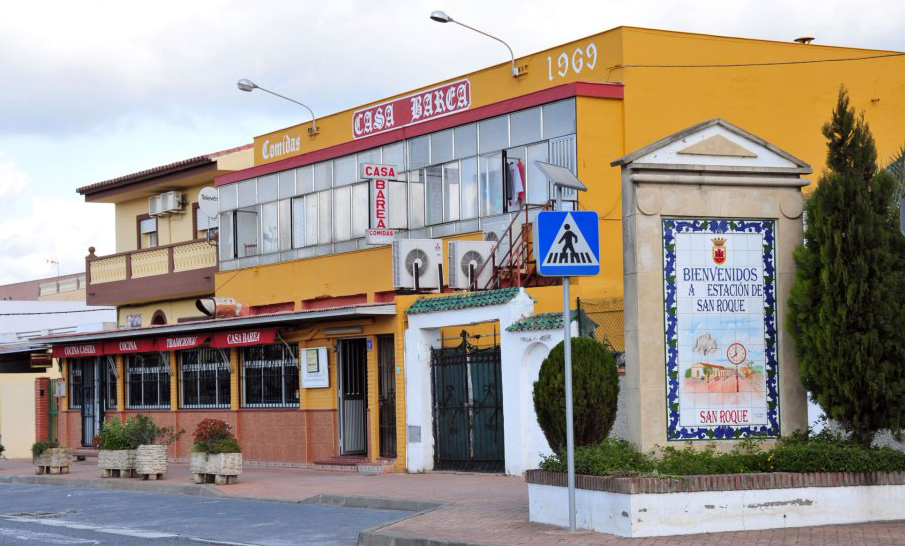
point(114, 436)
point(214, 436)
point(595, 392)
point(824, 452)
point(142, 430)
point(38, 448)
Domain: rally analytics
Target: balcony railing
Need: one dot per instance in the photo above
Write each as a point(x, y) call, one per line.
point(163, 272)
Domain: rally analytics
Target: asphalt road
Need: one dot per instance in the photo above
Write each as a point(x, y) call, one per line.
point(37, 514)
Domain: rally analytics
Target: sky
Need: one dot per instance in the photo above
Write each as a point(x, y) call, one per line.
point(98, 89)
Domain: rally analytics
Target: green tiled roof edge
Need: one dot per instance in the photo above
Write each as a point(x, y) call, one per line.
point(462, 301)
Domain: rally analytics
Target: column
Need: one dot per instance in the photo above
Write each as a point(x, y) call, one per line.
point(174, 382)
point(234, 379)
point(120, 382)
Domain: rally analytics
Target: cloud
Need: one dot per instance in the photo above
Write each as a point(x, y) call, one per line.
point(12, 178)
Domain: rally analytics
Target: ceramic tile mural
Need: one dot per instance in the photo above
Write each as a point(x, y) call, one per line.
point(720, 305)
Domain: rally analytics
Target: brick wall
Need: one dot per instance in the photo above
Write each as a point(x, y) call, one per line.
point(43, 396)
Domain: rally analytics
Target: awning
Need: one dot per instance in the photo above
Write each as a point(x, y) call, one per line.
point(75, 351)
point(179, 343)
point(223, 340)
point(146, 345)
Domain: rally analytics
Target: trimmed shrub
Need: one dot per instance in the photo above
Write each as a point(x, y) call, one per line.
point(595, 393)
point(142, 430)
point(113, 436)
point(215, 436)
point(38, 448)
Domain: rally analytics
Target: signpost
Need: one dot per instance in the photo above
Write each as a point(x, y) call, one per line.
point(567, 244)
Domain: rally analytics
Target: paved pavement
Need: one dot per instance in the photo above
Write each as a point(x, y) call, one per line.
point(476, 508)
point(69, 515)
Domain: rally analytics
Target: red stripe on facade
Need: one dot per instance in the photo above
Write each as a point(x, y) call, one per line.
point(576, 89)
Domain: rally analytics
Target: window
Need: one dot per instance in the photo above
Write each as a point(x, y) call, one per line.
point(247, 232)
point(466, 140)
point(287, 184)
point(491, 184)
point(538, 186)
point(419, 151)
point(270, 376)
point(469, 191)
point(228, 198)
point(205, 378)
point(451, 191)
point(109, 383)
point(360, 212)
point(524, 126)
point(394, 154)
point(205, 226)
point(248, 193)
point(344, 170)
point(268, 189)
point(270, 228)
point(324, 227)
point(494, 133)
point(433, 189)
point(442, 146)
point(341, 214)
point(323, 175)
point(304, 180)
point(75, 383)
point(147, 228)
point(227, 238)
point(559, 118)
point(147, 381)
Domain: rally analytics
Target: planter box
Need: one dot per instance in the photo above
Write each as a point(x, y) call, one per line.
point(151, 460)
point(647, 507)
point(55, 460)
point(221, 469)
point(116, 463)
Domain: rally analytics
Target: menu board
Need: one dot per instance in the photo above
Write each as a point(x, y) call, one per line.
point(315, 368)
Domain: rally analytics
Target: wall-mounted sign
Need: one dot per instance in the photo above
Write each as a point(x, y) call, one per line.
point(721, 339)
point(179, 343)
point(75, 351)
point(41, 360)
point(133, 321)
point(222, 340)
point(273, 149)
point(380, 232)
point(146, 345)
point(315, 368)
point(422, 106)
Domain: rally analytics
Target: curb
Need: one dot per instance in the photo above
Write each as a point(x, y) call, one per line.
point(118, 484)
point(375, 503)
point(374, 538)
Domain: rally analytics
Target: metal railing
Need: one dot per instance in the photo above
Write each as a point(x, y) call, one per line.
point(270, 377)
point(205, 382)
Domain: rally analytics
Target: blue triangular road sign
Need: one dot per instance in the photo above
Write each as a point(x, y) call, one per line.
point(567, 243)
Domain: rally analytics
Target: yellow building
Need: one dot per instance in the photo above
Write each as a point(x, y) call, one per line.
point(293, 228)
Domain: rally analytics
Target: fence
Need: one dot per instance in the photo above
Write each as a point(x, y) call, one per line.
point(603, 319)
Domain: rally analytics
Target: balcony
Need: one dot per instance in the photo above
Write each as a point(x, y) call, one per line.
point(181, 270)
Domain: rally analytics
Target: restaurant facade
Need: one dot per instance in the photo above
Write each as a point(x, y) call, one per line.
point(295, 246)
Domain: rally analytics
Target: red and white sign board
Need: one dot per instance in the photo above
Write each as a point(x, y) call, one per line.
point(75, 351)
point(223, 340)
point(380, 232)
point(146, 345)
point(423, 106)
point(179, 343)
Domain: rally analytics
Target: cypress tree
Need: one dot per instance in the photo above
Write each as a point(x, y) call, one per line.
point(847, 317)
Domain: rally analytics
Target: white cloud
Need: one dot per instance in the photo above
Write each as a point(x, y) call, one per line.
point(12, 178)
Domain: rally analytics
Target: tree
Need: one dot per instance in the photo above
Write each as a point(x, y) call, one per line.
point(846, 311)
point(595, 393)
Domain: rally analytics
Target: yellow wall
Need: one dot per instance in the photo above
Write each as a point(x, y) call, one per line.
point(174, 310)
point(172, 228)
point(17, 412)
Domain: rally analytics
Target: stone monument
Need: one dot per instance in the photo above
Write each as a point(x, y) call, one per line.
point(711, 217)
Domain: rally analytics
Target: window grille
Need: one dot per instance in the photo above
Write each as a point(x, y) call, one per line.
point(110, 383)
point(205, 379)
point(147, 381)
point(270, 377)
point(75, 383)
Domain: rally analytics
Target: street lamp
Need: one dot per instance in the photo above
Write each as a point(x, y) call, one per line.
point(442, 17)
point(248, 86)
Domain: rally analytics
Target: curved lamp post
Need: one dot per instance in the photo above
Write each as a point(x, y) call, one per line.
point(249, 86)
point(442, 17)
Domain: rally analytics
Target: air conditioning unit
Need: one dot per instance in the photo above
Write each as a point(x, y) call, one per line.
point(467, 258)
point(495, 230)
point(171, 201)
point(427, 254)
point(155, 205)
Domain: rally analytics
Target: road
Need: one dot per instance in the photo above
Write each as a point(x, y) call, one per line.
point(38, 514)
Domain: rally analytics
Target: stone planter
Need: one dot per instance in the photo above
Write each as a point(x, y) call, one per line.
point(221, 468)
point(151, 461)
point(116, 463)
point(647, 506)
point(55, 460)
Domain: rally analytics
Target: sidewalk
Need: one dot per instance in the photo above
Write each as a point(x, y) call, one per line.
point(473, 508)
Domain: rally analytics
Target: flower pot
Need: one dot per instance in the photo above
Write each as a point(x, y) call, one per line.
point(221, 468)
point(55, 460)
point(116, 462)
point(151, 460)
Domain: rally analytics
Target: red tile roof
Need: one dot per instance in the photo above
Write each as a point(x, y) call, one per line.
point(162, 169)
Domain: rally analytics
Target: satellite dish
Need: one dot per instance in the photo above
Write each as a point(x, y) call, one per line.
point(209, 202)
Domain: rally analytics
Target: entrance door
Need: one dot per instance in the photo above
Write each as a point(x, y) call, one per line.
point(386, 397)
point(92, 399)
point(353, 390)
point(468, 408)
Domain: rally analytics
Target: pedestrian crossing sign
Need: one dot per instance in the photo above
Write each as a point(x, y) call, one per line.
point(567, 243)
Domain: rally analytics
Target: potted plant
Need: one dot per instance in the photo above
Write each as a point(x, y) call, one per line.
point(216, 454)
point(115, 453)
point(151, 442)
point(50, 458)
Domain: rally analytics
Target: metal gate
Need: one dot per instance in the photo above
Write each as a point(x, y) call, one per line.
point(467, 407)
point(386, 394)
point(353, 390)
point(53, 412)
point(92, 408)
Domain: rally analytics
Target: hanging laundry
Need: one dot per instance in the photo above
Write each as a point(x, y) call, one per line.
point(516, 184)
